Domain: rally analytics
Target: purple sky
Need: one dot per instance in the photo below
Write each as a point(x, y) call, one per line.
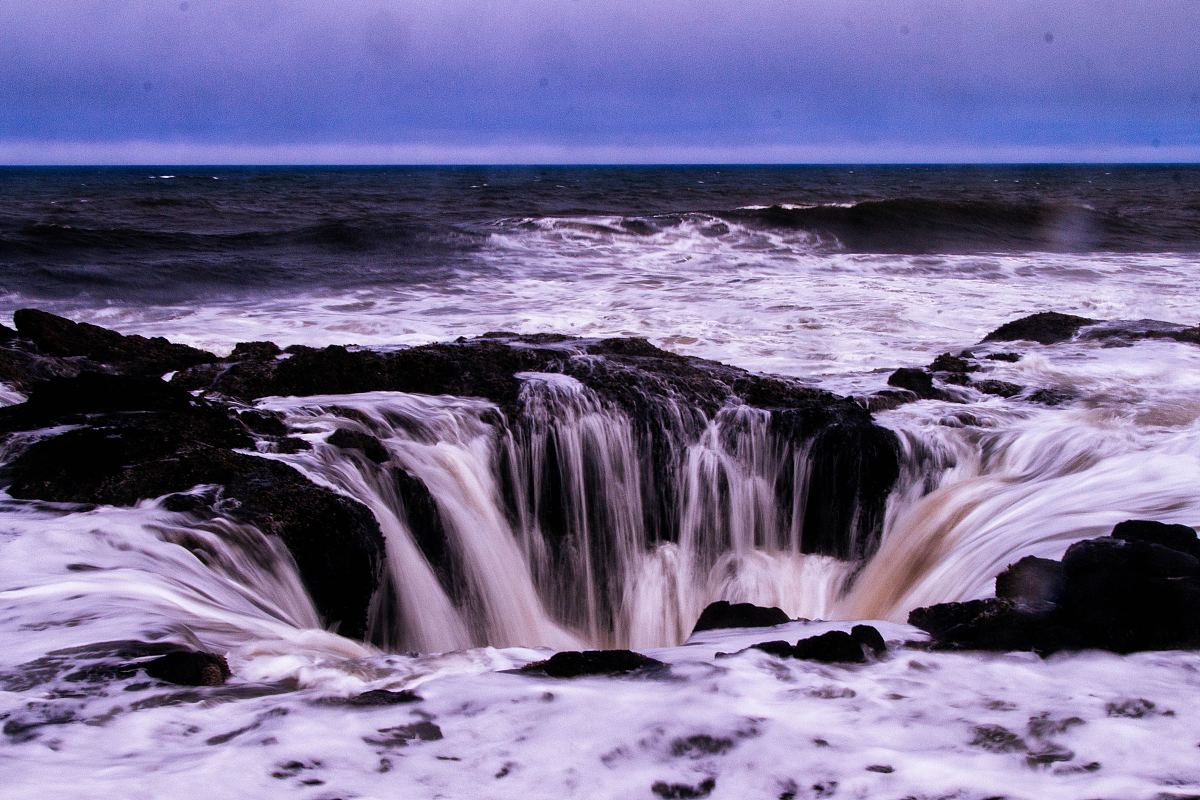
point(261, 81)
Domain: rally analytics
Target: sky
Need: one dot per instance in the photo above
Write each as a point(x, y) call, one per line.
point(609, 81)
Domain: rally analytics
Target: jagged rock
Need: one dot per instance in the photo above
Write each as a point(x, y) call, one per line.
point(94, 393)
point(1007, 357)
point(669, 399)
point(1046, 327)
point(189, 668)
point(989, 624)
point(1123, 593)
point(356, 440)
point(917, 381)
point(947, 362)
point(1031, 580)
point(384, 697)
point(121, 458)
point(574, 664)
point(998, 388)
point(887, 399)
point(1131, 595)
point(257, 351)
point(869, 636)
point(831, 647)
point(723, 614)
point(1176, 537)
point(1052, 397)
point(135, 355)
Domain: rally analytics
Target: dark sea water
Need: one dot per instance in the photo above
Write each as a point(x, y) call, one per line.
point(758, 265)
point(155, 234)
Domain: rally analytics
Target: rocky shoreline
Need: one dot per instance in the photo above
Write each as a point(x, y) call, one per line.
point(100, 426)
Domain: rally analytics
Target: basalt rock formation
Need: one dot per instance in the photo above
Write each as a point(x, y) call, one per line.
point(1138, 589)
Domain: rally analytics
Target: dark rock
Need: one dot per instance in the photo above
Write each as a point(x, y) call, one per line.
point(1032, 580)
point(1176, 537)
point(869, 637)
point(384, 697)
point(1052, 397)
point(723, 614)
point(997, 739)
point(917, 381)
point(258, 351)
point(189, 668)
point(93, 392)
point(1122, 593)
point(990, 624)
point(7, 333)
point(683, 791)
point(264, 422)
point(951, 363)
point(1009, 357)
point(998, 388)
point(574, 664)
point(1131, 595)
point(832, 647)
point(403, 735)
point(777, 648)
point(668, 398)
point(1047, 327)
point(123, 458)
point(887, 399)
point(364, 442)
point(700, 745)
point(135, 355)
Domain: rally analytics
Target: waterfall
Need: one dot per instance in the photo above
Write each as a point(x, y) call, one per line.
point(973, 500)
point(548, 526)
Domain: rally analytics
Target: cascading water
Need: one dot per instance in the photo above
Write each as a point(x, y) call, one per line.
point(542, 531)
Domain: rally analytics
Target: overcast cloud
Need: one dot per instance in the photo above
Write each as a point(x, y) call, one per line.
point(597, 80)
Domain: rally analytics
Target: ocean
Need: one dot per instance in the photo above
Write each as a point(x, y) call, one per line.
point(820, 271)
point(830, 276)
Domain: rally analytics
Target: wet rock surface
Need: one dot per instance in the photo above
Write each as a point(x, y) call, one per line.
point(723, 614)
point(576, 664)
point(1047, 327)
point(861, 644)
point(1138, 589)
point(189, 668)
point(669, 398)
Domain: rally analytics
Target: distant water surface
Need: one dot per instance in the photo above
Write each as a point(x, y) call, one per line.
point(824, 271)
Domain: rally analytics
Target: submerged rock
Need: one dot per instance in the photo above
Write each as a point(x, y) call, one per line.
point(723, 614)
point(189, 668)
point(574, 664)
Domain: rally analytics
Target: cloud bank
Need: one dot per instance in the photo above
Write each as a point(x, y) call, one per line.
point(218, 81)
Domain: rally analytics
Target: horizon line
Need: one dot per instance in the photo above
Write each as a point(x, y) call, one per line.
point(580, 164)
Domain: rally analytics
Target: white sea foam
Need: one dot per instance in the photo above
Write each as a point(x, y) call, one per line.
point(759, 304)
